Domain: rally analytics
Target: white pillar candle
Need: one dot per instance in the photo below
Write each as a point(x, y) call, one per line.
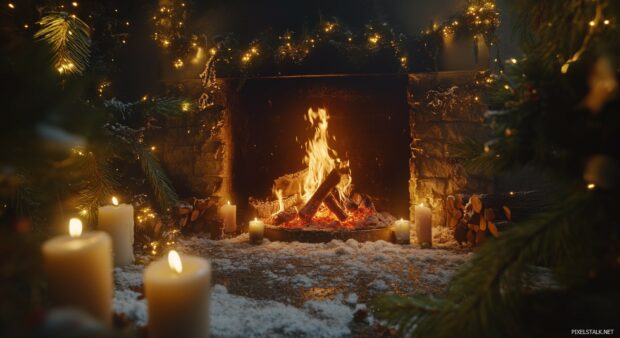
point(401, 231)
point(257, 229)
point(423, 225)
point(79, 271)
point(177, 294)
point(117, 220)
point(228, 213)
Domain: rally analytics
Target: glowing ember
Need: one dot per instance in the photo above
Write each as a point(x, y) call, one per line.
point(324, 219)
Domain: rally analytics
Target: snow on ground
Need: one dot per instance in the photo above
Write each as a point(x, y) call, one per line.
point(295, 289)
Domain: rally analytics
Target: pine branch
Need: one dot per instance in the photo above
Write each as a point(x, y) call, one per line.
point(165, 195)
point(165, 106)
point(487, 294)
point(126, 139)
point(98, 187)
point(159, 107)
point(69, 38)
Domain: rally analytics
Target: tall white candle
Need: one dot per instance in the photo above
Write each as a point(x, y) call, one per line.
point(423, 225)
point(79, 271)
point(117, 220)
point(256, 229)
point(177, 294)
point(228, 213)
point(402, 231)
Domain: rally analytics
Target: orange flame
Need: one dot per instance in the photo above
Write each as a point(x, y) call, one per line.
point(319, 157)
point(280, 201)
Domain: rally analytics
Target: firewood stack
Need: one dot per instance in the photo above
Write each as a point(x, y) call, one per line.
point(199, 214)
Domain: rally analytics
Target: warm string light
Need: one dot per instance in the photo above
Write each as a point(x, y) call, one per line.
point(480, 18)
point(186, 106)
point(169, 24)
point(593, 25)
point(102, 87)
point(178, 63)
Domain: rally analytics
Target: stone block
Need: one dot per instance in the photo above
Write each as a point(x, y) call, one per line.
point(431, 187)
point(431, 148)
point(427, 131)
point(433, 168)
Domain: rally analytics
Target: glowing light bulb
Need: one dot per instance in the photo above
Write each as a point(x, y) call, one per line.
point(75, 227)
point(174, 261)
point(186, 106)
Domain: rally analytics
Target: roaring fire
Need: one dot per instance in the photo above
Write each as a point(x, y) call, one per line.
point(319, 157)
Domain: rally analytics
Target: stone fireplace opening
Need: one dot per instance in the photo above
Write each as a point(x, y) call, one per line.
point(368, 127)
point(397, 131)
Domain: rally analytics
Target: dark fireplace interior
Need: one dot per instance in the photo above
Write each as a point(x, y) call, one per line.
point(368, 125)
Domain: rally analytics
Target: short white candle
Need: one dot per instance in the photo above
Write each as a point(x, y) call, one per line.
point(423, 225)
point(228, 213)
point(256, 229)
point(117, 220)
point(79, 271)
point(401, 231)
point(177, 293)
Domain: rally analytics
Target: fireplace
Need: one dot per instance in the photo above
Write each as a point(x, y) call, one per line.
point(368, 132)
point(392, 132)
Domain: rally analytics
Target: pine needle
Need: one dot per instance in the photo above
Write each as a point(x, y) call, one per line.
point(164, 194)
point(69, 38)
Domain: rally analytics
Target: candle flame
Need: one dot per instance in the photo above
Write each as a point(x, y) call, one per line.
point(421, 204)
point(174, 261)
point(228, 202)
point(114, 200)
point(75, 227)
point(255, 219)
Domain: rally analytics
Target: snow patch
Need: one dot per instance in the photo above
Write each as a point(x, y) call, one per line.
point(236, 316)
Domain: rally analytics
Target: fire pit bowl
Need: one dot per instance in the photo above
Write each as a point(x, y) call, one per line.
point(313, 235)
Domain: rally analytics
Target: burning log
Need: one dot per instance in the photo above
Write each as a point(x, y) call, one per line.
point(264, 209)
point(285, 216)
point(363, 200)
point(334, 206)
point(312, 206)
